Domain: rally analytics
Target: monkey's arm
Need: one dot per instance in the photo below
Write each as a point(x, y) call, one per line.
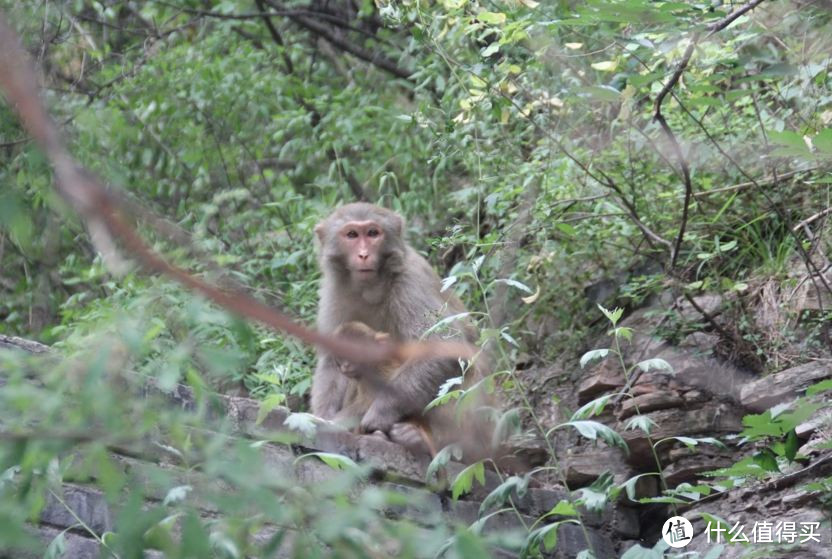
point(328, 388)
point(414, 387)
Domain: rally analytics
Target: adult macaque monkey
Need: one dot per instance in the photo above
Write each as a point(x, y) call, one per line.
point(371, 275)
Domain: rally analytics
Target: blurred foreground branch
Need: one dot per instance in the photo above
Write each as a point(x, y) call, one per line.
point(104, 213)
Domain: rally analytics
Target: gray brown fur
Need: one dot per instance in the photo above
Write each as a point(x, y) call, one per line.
point(417, 433)
point(404, 300)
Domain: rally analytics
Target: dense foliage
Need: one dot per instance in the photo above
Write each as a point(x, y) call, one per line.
point(548, 156)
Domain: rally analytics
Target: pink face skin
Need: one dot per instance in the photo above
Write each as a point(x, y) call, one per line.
point(361, 241)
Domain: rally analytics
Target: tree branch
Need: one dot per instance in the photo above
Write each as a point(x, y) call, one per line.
point(276, 37)
point(103, 212)
point(677, 149)
point(376, 59)
point(659, 117)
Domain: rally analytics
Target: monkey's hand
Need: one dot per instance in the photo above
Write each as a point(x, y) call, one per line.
point(381, 416)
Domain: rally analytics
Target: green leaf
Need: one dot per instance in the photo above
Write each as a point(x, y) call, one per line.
point(448, 282)
point(445, 322)
point(504, 491)
point(57, 547)
point(655, 364)
point(567, 229)
point(767, 460)
point(595, 497)
point(630, 485)
point(222, 542)
point(493, 18)
point(441, 460)
point(612, 315)
point(544, 536)
point(15, 218)
point(464, 481)
point(334, 461)
point(305, 423)
point(789, 144)
point(593, 355)
point(819, 387)
point(270, 403)
point(593, 407)
point(691, 442)
point(514, 283)
point(593, 430)
point(445, 393)
point(638, 552)
point(563, 508)
point(605, 66)
point(791, 446)
point(823, 141)
point(177, 494)
point(490, 50)
point(159, 535)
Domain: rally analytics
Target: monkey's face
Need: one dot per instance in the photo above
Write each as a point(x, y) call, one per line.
point(348, 369)
point(361, 242)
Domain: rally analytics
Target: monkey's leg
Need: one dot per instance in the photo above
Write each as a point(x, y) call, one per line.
point(427, 438)
point(413, 436)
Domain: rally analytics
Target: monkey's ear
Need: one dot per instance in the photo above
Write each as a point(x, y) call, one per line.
point(398, 223)
point(382, 337)
point(319, 231)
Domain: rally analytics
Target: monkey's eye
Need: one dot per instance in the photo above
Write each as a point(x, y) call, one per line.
point(352, 234)
point(372, 233)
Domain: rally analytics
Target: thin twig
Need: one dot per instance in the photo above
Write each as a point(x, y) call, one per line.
point(812, 218)
point(749, 184)
point(677, 149)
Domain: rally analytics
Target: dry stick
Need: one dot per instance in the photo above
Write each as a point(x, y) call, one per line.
point(812, 218)
point(99, 207)
point(749, 184)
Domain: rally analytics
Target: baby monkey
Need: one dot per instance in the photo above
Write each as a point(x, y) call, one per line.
point(367, 381)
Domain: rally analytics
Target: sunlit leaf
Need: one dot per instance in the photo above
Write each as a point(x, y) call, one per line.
point(334, 461)
point(464, 480)
point(593, 355)
point(494, 18)
point(301, 422)
point(605, 66)
point(655, 364)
